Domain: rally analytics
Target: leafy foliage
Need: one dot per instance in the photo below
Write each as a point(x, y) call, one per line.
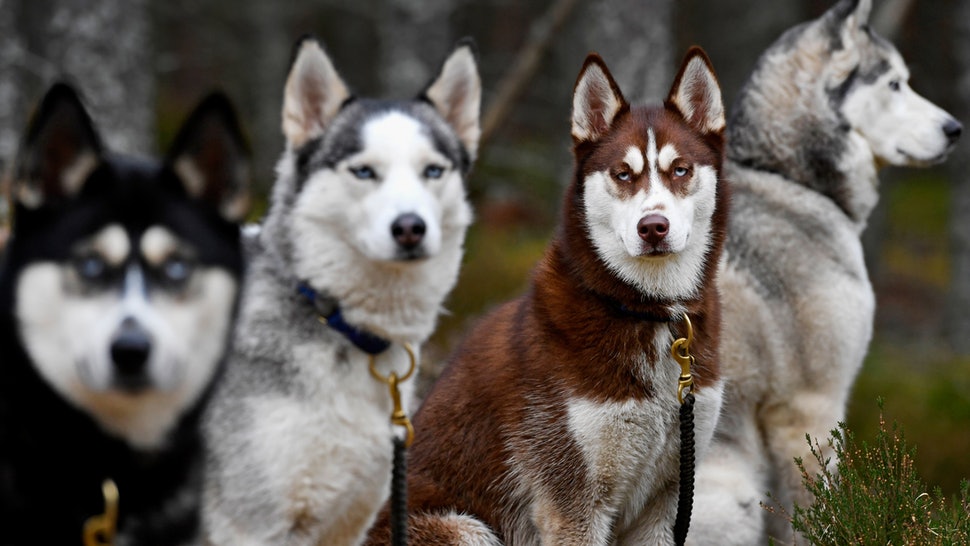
point(873, 495)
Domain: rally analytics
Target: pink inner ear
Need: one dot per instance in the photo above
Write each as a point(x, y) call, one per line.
point(598, 102)
point(597, 114)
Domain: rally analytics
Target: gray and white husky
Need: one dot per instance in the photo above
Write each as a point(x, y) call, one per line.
point(826, 105)
point(362, 243)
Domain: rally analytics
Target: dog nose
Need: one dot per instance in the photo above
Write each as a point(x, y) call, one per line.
point(130, 349)
point(653, 228)
point(952, 129)
point(408, 230)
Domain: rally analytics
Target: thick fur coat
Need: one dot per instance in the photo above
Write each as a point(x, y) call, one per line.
point(826, 105)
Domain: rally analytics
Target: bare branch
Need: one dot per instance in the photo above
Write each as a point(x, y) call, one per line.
point(526, 65)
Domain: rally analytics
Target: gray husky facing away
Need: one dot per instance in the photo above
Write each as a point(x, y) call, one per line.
point(366, 227)
point(826, 105)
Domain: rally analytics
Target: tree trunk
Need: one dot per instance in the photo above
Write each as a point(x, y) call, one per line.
point(12, 111)
point(103, 46)
point(415, 37)
point(959, 163)
point(634, 37)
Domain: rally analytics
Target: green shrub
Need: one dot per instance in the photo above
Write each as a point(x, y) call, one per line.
point(876, 497)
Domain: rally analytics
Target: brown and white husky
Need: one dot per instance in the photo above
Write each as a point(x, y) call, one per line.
point(556, 421)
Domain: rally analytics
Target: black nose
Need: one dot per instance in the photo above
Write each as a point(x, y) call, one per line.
point(130, 349)
point(408, 230)
point(653, 228)
point(952, 129)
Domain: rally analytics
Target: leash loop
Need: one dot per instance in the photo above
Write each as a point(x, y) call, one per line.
point(398, 416)
point(680, 350)
point(100, 530)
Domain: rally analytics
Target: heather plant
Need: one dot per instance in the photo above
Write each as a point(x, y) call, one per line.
point(874, 496)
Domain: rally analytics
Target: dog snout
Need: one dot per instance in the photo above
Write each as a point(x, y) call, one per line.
point(130, 350)
point(952, 129)
point(408, 230)
point(652, 228)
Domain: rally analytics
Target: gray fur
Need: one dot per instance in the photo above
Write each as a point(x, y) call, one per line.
point(298, 432)
point(803, 150)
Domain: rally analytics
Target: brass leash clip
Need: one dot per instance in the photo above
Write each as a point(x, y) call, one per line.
point(680, 350)
point(398, 416)
point(100, 530)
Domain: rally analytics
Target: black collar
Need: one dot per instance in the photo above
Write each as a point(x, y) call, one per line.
point(329, 310)
point(642, 315)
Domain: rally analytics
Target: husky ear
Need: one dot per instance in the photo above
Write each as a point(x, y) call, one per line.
point(847, 19)
point(211, 158)
point(696, 93)
point(457, 94)
point(60, 150)
point(854, 13)
point(313, 94)
point(596, 101)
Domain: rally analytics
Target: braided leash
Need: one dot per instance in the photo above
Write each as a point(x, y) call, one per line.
point(685, 502)
point(399, 495)
point(399, 492)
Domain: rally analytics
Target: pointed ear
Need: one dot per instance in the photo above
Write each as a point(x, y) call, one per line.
point(696, 93)
point(313, 94)
point(851, 13)
point(847, 19)
point(457, 94)
point(211, 159)
point(596, 101)
point(60, 150)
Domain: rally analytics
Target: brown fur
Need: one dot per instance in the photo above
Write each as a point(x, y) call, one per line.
point(503, 396)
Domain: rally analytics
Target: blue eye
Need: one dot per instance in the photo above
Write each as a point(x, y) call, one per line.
point(176, 269)
point(623, 176)
point(363, 172)
point(680, 171)
point(92, 267)
point(434, 171)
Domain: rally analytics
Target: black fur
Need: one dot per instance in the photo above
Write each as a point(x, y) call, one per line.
point(53, 455)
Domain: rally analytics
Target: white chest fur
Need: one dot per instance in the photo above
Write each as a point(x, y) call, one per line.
point(631, 448)
point(328, 449)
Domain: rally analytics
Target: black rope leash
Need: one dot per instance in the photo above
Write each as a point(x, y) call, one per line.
point(399, 470)
point(685, 503)
point(399, 494)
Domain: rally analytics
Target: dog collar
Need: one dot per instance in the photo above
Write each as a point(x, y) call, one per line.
point(640, 315)
point(329, 310)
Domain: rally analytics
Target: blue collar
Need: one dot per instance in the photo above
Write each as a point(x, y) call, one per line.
point(329, 310)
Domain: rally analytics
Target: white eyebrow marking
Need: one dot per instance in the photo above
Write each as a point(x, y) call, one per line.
point(113, 244)
point(652, 157)
point(634, 159)
point(156, 244)
point(667, 156)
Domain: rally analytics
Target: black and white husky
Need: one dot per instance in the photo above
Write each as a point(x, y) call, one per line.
point(362, 243)
point(826, 105)
point(116, 299)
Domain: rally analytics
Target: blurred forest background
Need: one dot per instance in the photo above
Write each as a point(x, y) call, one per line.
point(142, 64)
